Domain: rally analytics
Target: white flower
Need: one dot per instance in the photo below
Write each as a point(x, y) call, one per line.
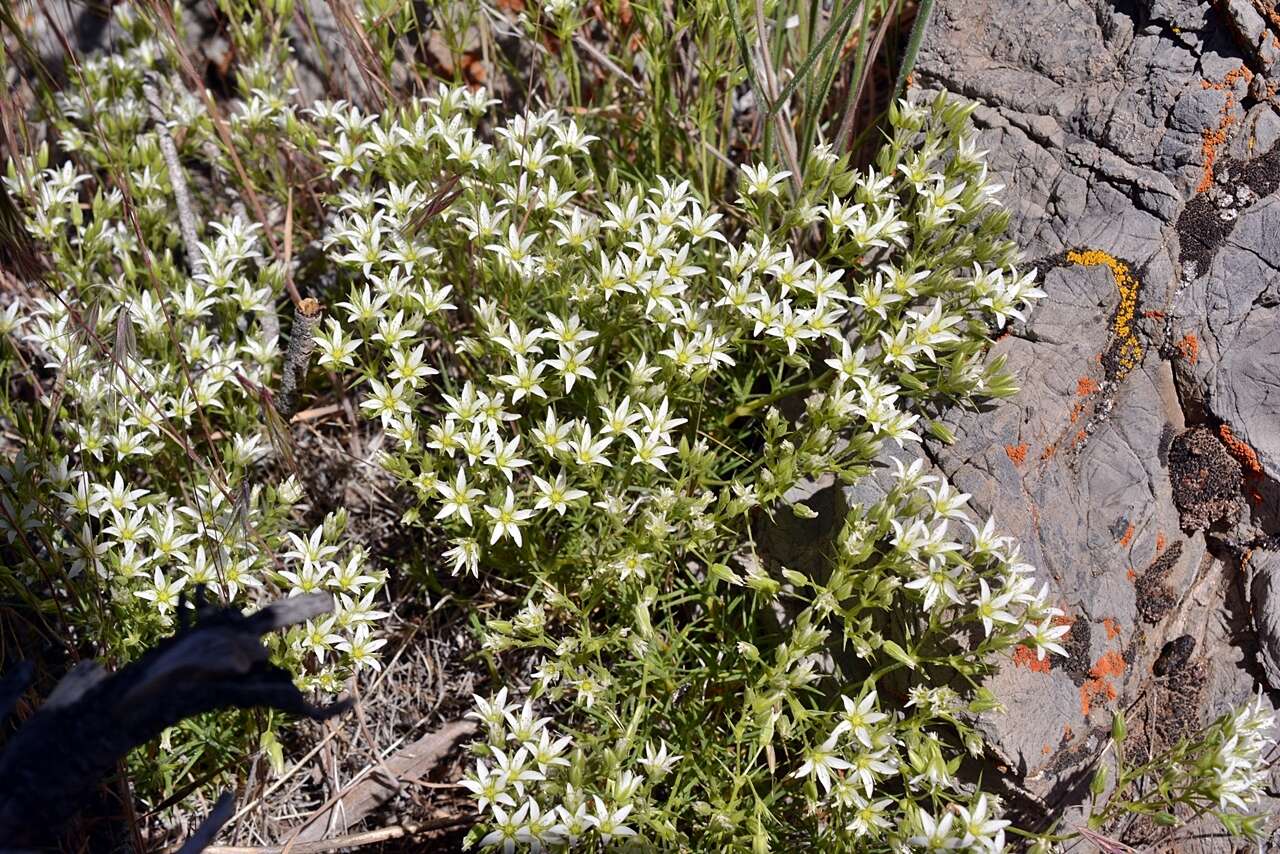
point(659, 762)
point(387, 402)
point(979, 830)
point(507, 828)
point(465, 554)
point(759, 181)
point(547, 750)
point(552, 435)
point(507, 519)
point(163, 593)
point(859, 716)
point(336, 349)
point(407, 365)
point(556, 495)
point(588, 451)
point(487, 788)
point(515, 767)
point(870, 766)
point(572, 364)
point(650, 449)
point(458, 497)
point(475, 444)
point(822, 761)
point(493, 712)
point(525, 379)
point(991, 609)
point(311, 551)
point(608, 823)
point(504, 457)
point(1045, 637)
point(934, 836)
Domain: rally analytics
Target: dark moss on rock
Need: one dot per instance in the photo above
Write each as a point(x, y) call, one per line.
point(1154, 598)
point(1206, 479)
point(1174, 656)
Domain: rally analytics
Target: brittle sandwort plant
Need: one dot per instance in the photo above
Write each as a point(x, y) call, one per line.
point(600, 353)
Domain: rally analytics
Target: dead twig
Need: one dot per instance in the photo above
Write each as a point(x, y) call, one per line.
point(177, 177)
point(404, 830)
point(52, 766)
point(208, 829)
point(306, 317)
point(409, 763)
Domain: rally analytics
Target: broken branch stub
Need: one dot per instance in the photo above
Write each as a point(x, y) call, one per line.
point(51, 766)
point(306, 317)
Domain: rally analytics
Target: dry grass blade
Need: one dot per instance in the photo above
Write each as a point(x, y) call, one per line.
point(445, 195)
point(208, 829)
point(409, 763)
point(1105, 843)
point(404, 830)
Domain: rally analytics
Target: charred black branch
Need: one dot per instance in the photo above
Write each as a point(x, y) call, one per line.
point(52, 765)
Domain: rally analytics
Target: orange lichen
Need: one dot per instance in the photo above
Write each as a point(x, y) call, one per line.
point(1049, 451)
point(1131, 574)
point(1213, 138)
point(1248, 458)
point(1161, 541)
point(1067, 732)
point(1016, 453)
point(1239, 449)
point(1189, 348)
point(1112, 628)
point(1153, 315)
point(1127, 537)
point(1046, 750)
point(1109, 666)
point(1128, 349)
point(1085, 386)
point(1024, 656)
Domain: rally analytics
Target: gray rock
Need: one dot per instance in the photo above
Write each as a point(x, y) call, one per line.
point(1264, 566)
point(1251, 30)
point(1137, 157)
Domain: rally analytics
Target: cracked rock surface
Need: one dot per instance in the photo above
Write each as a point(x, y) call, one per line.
point(1137, 140)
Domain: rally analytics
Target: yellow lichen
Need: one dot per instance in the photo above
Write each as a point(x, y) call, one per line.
point(1128, 349)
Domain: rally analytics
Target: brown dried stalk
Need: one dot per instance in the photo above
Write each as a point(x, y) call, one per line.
point(177, 177)
point(306, 317)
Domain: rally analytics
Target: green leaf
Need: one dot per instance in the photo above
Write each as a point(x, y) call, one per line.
point(899, 653)
point(839, 24)
point(741, 37)
point(1098, 784)
point(913, 45)
point(1117, 728)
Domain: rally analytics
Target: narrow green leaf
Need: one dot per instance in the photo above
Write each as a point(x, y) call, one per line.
point(913, 46)
point(845, 16)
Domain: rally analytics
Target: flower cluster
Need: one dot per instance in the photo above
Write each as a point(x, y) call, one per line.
point(599, 407)
point(149, 475)
point(609, 395)
point(521, 751)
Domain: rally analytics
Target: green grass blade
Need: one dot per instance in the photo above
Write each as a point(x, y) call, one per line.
point(913, 46)
point(837, 26)
point(740, 36)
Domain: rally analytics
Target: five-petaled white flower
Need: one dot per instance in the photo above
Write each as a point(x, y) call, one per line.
point(507, 519)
